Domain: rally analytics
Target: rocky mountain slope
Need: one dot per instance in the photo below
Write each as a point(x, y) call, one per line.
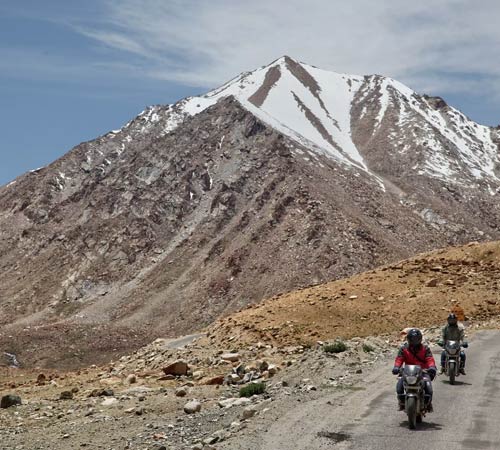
point(420, 291)
point(284, 177)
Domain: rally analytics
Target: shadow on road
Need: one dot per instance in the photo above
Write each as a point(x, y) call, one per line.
point(457, 383)
point(424, 426)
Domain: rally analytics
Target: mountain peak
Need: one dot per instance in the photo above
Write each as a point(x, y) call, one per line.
point(339, 114)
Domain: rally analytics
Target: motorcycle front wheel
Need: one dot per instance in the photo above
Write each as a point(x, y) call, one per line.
point(411, 410)
point(451, 371)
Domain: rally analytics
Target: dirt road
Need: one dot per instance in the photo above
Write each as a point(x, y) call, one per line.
point(465, 417)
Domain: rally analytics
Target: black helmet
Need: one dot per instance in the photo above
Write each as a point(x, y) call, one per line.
point(414, 337)
point(452, 320)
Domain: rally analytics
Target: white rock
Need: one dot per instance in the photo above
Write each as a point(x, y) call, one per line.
point(230, 402)
point(232, 357)
point(109, 401)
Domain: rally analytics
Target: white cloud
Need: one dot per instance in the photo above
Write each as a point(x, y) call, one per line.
point(434, 47)
point(207, 42)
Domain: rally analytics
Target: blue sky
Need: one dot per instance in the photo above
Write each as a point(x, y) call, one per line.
point(70, 71)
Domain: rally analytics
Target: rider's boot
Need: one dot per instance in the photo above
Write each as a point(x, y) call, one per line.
point(441, 370)
point(430, 408)
point(401, 402)
point(462, 370)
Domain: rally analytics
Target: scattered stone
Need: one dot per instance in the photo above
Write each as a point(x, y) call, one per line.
point(131, 379)
point(211, 440)
point(66, 395)
point(236, 425)
point(248, 412)
point(272, 369)
point(167, 378)
point(215, 380)
point(10, 400)
point(234, 378)
point(192, 407)
point(262, 365)
point(41, 379)
point(432, 282)
point(102, 393)
point(181, 392)
point(198, 375)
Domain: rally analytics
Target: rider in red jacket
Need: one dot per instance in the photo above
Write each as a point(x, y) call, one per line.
point(413, 352)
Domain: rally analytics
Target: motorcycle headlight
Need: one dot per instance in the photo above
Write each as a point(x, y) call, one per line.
point(411, 380)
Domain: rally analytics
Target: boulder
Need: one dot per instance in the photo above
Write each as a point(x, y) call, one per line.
point(178, 368)
point(10, 400)
point(192, 407)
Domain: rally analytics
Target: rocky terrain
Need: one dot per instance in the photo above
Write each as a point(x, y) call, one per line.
point(285, 177)
point(420, 291)
point(167, 397)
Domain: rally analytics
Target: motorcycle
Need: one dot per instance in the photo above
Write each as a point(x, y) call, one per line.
point(415, 401)
point(452, 360)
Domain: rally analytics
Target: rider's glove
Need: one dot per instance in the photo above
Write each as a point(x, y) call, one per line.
point(395, 370)
point(440, 343)
point(432, 372)
point(465, 344)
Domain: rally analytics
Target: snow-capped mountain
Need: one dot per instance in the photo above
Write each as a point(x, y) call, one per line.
point(284, 176)
point(341, 115)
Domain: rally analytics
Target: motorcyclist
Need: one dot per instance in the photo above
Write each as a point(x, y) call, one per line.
point(413, 352)
point(453, 331)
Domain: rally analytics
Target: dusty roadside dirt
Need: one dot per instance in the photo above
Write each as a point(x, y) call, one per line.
point(285, 332)
point(147, 414)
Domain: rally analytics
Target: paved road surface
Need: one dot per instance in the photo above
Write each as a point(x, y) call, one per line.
point(467, 415)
